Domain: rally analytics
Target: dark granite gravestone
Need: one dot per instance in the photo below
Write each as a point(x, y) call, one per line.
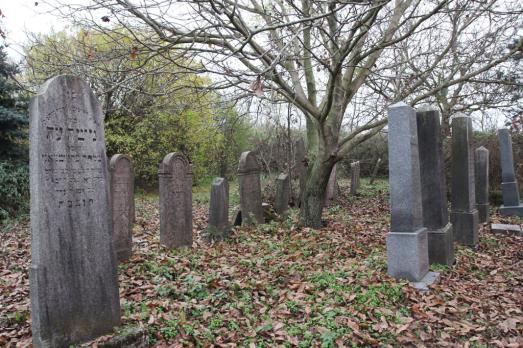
point(73, 276)
point(463, 215)
point(250, 189)
point(407, 253)
point(281, 202)
point(433, 188)
point(354, 177)
point(509, 184)
point(219, 207)
point(481, 157)
point(175, 174)
point(332, 188)
point(122, 194)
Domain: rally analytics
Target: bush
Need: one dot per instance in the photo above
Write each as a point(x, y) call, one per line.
point(14, 189)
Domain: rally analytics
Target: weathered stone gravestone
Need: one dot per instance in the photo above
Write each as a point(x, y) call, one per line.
point(332, 188)
point(122, 195)
point(219, 209)
point(250, 189)
point(481, 156)
point(299, 164)
point(509, 184)
point(175, 174)
point(354, 177)
point(407, 253)
point(375, 171)
point(281, 202)
point(433, 188)
point(463, 215)
point(73, 276)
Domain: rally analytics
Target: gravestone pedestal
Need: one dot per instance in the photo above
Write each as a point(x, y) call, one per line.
point(407, 254)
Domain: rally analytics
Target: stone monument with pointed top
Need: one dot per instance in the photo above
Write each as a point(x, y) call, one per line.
point(509, 184)
point(250, 189)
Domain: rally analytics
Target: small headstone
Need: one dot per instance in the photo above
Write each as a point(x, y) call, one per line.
point(375, 171)
point(219, 207)
point(73, 275)
point(506, 229)
point(509, 184)
point(300, 169)
point(463, 215)
point(407, 250)
point(433, 188)
point(481, 168)
point(250, 189)
point(354, 177)
point(237, 218)
point(281, 202)
point(332, 188)
point(175, 174)
point(122, 195)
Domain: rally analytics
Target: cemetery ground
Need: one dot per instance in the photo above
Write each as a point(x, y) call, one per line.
point(280, 284)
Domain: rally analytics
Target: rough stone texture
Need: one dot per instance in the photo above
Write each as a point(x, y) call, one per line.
point(122, 197)
point(464, 215)
point(219, 207)
point(481, 156)
point(332, 188)
point(506, 229)
point(509, 185)
point(433, 188)
point(354, 177)
point(175, 174)
point(250, 189)
point(73, 276)
point(429, 279)
point(299, 163)
point(407, 249)
point(281, 202)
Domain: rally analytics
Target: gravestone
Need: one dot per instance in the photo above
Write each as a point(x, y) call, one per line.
point(250, 189)
point(375, 171)
point(281, 202)
point(509, 184)
point(300, 169)
point(175, 175)
point(507, 229)
point(433, 188)
point(73, 275)
point(407, 253)
point(354, 177)
point(463, 215)
point(332, 188)
point(122, 195)
point(219, 207)
point(481, 156)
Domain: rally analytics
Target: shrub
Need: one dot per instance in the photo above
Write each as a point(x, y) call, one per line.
point(14, 189)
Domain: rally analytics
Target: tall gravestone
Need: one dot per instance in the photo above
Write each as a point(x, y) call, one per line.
point(219, 207)
point(250, 189)
point(332, 187)
point(73, 276)
point(407, 253)
point(509, 184)
point(122, 194)
point(299, 163)
point(175, 174)
point(481, 156)
point(354, 177)
point(433, 188)
point(281, 202)
point(463, 215)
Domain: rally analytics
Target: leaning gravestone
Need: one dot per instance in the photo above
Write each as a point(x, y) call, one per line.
point(175, 175)
point(122, 195)
point(219, 208)
point(509, 184)
point(73, 276)
point(375, 171)
point(407, 253)
point(481, 171)
point(250, 189)
point(332, 188)
point(433, 188)
point(463, 215)
point(354, 177)
point(281, 202)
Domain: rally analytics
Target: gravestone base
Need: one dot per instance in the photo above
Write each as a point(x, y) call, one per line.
point(429, 279)
point(511, 210)
point(507, 229)
point(407, 255)
point(483, 212)
point(441, 246)
point(465, 226)
point(510, 193)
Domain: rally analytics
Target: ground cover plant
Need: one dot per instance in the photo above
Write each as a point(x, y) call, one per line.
point(280, 284)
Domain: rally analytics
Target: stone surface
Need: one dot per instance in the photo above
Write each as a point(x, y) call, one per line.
point(122, 198)
point(300, 170)
point(506, 229)
point(219, 206)
point(464, 215)
point(250, 189)
point(354, 177)
point(433, 188)
point(481, 158)
point(73, 275)
point(511, 211)
point(332, 188)
point(281, 202)
point(429, 279)
point(375, 171)
point(407, 249)
point(175, 176)
point(509, 185)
